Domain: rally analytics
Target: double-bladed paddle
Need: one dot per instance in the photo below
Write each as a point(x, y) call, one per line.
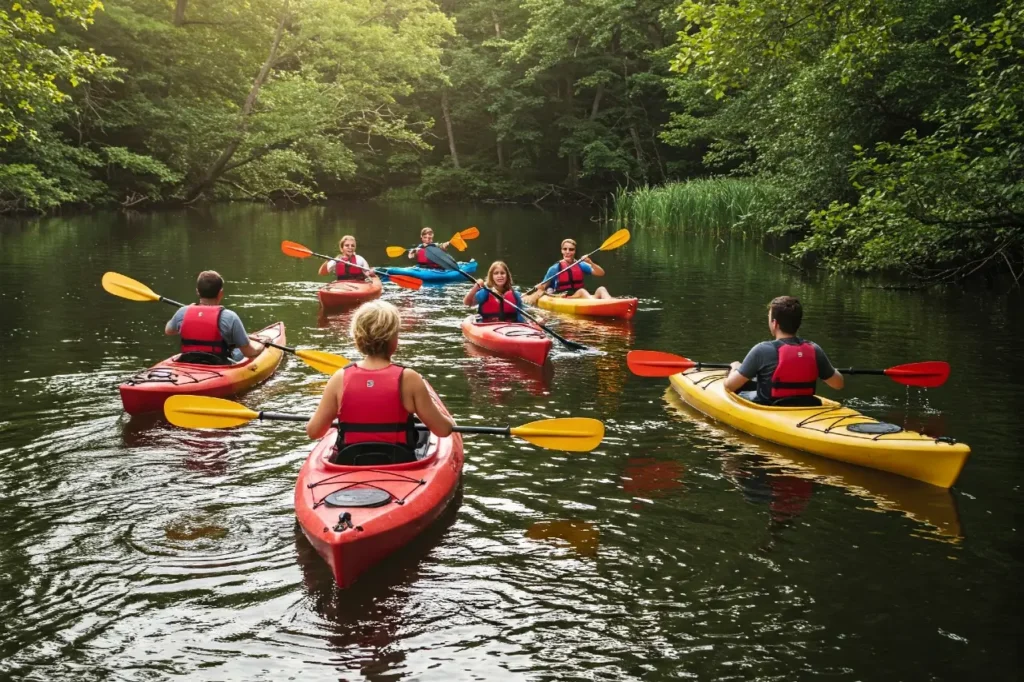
point(439, 257)
point(574, 434)
point(651, 363)
point(613, 242)
point(458, 240)
point(297, 250)
point(133, 290)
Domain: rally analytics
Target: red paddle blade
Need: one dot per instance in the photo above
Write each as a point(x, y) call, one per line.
point(652, 363)
point(406, 282)
point(924, 374)
point(295, 250)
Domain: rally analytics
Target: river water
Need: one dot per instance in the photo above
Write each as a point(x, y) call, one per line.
point(131, 550)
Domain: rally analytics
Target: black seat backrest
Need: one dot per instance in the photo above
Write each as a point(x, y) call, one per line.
point(198, 357)
point(373, 454)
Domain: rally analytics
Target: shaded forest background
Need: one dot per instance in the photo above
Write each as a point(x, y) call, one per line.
point(878, 134)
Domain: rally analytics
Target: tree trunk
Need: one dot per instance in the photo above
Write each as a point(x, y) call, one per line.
point(572, 176)
point(448, 127)
point(179, 12)
point(215, 171)
point(597, 101)
point(501, 155)
point(497, 26)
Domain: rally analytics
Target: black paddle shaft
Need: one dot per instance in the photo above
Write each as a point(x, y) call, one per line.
point(439, 257)
point(491, 430)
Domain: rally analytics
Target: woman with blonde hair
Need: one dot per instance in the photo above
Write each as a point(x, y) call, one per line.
point(348, 265)
point(569, 282)
point(499, 280)
point(374, 400)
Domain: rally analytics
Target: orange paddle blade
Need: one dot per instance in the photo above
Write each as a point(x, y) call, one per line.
point(470, 233)
point(458, 242)
point(924, 374)
point(295, 250)
point(406, 282)
point(652, 363)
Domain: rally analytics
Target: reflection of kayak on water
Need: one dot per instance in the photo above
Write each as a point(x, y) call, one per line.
point(583, 536)
point(926, 504)
point(502, 379)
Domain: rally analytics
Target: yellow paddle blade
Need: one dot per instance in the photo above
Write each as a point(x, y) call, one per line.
point(616, 240)
point(574, 434)
point(328, 363)
point(126, 287)
point(458, 242)
point(470, 233)
point(396, 251)
point(200, 412)
point(295, 250)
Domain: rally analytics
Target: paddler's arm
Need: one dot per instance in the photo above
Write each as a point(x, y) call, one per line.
point(835, 380)
point(423, 406)
point(173, 326)
point(595, 269)
point(735, 381)
point(239, 339)
point(327, 410)
point(324, 268)
point(740, 374)
point(471, 296)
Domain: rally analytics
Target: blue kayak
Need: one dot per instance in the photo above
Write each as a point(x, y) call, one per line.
point(431, 275)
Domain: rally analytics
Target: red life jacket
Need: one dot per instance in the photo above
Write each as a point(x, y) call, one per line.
point(200, 331)
point(571, 280)
point(797, 371)
point(423, 261)
point(371, 408)
point(343, 271)
point(493, 309)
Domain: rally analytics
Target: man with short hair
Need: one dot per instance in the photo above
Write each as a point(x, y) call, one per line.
point(785, 370)
point(208, 327)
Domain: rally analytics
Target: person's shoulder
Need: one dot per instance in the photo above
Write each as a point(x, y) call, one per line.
point(229, 314)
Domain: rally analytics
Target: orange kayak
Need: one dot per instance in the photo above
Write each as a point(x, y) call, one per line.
point(147, 390)
point(623, 308)
point(511, 339)
point(342, 293)
point(356, 516)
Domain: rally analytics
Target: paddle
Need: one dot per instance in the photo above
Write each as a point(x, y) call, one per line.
point(574, 434)
point(133, 290)
point(457, 240)
point(297, 250)
point(613, 242)
point(441, 258)
point(649, 363)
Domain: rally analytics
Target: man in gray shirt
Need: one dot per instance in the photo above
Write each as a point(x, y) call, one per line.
point(784, 368)
point(234, 341)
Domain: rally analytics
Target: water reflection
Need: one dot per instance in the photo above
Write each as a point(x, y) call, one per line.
point(501, 378)
point(784, 478)
point(651, 478)
point(362, 624)
point(581, 535)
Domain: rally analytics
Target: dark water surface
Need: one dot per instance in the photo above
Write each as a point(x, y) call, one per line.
point(131, 550)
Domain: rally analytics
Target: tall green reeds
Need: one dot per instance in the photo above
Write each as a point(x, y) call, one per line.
point(695, 205)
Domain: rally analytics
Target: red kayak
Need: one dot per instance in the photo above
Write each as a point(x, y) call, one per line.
point(147, 391)
point(511, 339)
point(355, 516)
point(341, 293)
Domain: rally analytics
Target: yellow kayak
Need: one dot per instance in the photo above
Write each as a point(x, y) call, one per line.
point(622, 308)
point(829, 430)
